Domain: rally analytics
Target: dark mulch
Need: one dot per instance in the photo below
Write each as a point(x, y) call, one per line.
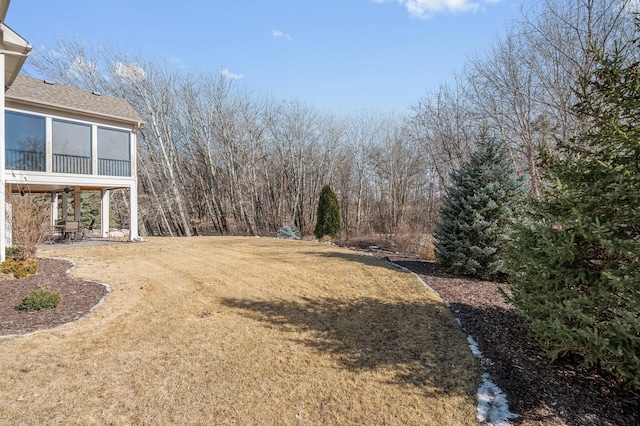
point(78, 298)
point(542, 392)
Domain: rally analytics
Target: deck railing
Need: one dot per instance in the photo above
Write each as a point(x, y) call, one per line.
point(75, 164)
point(18, 159)
point(111, 167)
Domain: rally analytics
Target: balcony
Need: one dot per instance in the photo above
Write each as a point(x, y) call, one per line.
point(38, 143)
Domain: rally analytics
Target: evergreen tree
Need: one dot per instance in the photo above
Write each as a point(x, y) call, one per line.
point(328, 217)
point(576, 269)
point(478, 211)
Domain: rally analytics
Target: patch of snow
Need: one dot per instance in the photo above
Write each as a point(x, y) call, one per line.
point(473, 345)
point(493, 408)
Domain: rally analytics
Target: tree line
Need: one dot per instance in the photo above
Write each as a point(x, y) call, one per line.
point(217, 158)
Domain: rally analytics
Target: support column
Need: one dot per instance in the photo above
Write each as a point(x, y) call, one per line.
point(133, 212)
point(54, 208)
point(8, 225)
point(3, 200)
point(77, 205)
point(104, 210)
point(133, 190)
point(65, 205)
point(77, 211)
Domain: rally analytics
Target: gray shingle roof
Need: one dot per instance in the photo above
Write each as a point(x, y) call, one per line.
point(28, 90)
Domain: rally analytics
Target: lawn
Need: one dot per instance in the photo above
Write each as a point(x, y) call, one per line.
point(252, 331)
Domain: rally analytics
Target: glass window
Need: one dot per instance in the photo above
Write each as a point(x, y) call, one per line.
point(114, 152)
point(25, 142)
point(71, 147)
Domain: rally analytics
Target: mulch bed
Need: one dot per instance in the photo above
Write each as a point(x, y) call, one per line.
point(78, 298)
point(542, 392)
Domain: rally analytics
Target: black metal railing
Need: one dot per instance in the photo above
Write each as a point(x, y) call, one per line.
point(17, 159)
point(75, 164)
point(111, 167)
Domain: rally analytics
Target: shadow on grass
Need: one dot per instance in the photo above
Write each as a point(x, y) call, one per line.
point(417, 342)
point(356, 257)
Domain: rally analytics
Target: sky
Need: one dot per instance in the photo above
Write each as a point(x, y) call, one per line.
point(340, 55)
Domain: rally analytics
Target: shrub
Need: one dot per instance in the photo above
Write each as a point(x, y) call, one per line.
point(288, 231)
point(40, 299)
point(405, 239)
point(12, 251)
point(427, 252)
point(19, 268)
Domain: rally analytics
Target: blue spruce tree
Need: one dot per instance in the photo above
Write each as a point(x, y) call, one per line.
point(480, 207)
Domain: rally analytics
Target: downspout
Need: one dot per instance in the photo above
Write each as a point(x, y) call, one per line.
point(3, 198)
point(133, 190)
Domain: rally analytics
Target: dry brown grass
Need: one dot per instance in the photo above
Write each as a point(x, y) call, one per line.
point(243, 331)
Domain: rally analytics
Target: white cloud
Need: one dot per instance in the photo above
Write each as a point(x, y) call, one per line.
point(427, 8)
point(280, 34)
point(130, 72)
point(228, 74)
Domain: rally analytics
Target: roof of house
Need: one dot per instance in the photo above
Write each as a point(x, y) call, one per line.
point(4, 6)
point(15, 49)
point(35, 92)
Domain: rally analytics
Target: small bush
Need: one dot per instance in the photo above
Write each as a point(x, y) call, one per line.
point(19, 268)
point(406, 240)
point(40, 299)
point(288, 231)
point(427, 252)
point(12, 252)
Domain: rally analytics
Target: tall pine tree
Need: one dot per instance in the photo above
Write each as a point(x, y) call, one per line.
point(576, 269)
point(478, 211)
point(328, 215)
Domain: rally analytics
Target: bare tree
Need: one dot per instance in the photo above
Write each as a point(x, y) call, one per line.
point(504, 92)
point(444, 125)
point(29, 224)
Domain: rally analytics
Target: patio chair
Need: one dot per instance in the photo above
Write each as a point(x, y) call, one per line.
point(70, 231)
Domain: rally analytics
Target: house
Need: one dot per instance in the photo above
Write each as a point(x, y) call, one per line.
point(61, 140)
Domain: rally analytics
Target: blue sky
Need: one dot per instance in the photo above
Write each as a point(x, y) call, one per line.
point(333, 54)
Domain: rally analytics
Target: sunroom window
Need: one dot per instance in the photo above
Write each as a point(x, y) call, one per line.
point(114, 152)
point(25, 142)
point(71, 147)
